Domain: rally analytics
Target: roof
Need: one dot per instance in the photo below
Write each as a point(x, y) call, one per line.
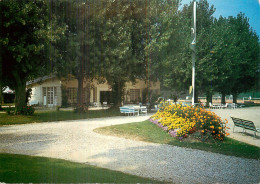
point(40, 79)
point(8, 90)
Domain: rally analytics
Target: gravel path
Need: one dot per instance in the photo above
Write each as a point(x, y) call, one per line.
point(76, 141)
point(251, 113)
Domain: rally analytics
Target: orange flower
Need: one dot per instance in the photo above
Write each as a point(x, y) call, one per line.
point(213, 131)
point(202, 131)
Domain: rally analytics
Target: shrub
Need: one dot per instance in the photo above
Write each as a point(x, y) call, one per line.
point(10, 110)
point(26, 110)
point(58, 108)
point(186, 120)
point(80, 109)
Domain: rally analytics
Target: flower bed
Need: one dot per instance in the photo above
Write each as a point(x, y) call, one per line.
point(184, 121)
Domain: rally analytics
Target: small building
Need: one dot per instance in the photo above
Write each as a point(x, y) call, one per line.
point(8, 95)
point(49, 91)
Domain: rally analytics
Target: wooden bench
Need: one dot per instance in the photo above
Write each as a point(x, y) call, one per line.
point(128, 110)
point(245, 124)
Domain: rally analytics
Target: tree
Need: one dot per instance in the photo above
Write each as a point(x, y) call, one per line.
point(26, 31)
point(133, 33)
point(108, 39)
point(236, 52)
point(121, 49)
point(248, 59)
point(176, 61)
point(79, 48)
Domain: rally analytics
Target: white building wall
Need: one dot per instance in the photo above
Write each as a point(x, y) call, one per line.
point(101, 87)
point(37, 93)
point(141, 84)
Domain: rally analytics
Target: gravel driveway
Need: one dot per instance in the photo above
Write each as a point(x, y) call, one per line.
point(250, 113)
point(76, 141)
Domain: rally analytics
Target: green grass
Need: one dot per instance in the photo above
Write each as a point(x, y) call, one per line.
point(25, 169)
point(147, 131)
point(48, 116)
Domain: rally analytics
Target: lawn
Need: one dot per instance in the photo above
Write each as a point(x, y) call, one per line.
point(27, 169)
point(48, 116)
point(147, 131)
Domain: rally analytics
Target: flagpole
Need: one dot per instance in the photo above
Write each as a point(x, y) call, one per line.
point(193, 47)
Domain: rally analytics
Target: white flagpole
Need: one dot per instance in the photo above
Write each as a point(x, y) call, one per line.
point(193, 46)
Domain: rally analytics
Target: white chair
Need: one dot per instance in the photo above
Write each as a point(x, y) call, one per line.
point(224, 106)
point(143, 110)
point(35, 102)
point(214, 106)
point(104, 104)
point(233, 105)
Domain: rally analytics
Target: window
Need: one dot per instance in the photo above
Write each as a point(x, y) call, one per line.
point(94, 94)
point(134, 95)
point(49, 94)
point(72, 95)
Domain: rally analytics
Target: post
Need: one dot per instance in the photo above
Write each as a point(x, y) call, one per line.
point(193, 47)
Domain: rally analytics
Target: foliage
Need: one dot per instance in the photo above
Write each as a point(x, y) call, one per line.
point(58, 108)
point(236, 52)
point(186, 120)
point(27, 29)
point(227, 52)
point(9, 110)
point(175, 66)
point(80, 109)
point(25, 110)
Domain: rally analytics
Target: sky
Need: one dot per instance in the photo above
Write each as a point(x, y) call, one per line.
point(251, 9)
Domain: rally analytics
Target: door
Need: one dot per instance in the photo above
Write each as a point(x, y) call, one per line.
point(50, 96)
point(105, 96)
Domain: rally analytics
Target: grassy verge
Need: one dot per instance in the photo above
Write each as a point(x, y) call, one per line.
point(25, 169)
point(48, 116)
point(147, 131)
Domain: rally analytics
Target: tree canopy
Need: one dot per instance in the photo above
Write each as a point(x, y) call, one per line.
point(26, 31)
point(121, 41)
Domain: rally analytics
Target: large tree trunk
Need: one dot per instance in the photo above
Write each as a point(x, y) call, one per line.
point(223, 98)
point(20, 95)
point(80, 103)
point(117, 93)
point(87, 94)
point(1, 72)
point(196, 98)
point(209, 98)
point(235, 98)
point(1, 94)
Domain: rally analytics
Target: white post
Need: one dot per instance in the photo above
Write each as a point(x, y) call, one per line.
point(193, 46)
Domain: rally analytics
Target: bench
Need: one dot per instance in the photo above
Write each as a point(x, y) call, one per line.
point(245, 124)
point(128, 110)
point(33, 102)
